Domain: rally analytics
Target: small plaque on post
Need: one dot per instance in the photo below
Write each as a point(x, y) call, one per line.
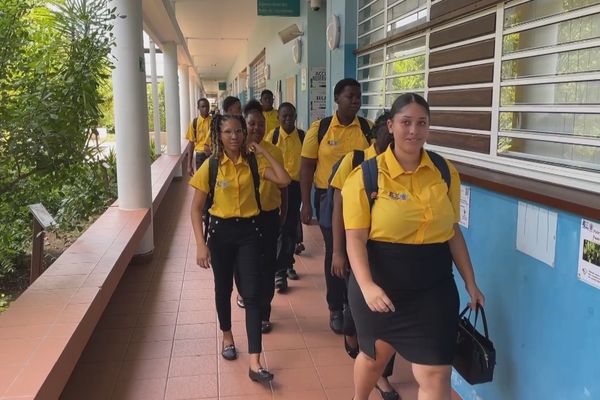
point(42, 215)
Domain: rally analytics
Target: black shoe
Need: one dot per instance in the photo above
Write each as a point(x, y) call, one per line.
point(352, 352)
point(240, 302)
point(292, 274)
point(393, 395)
point(266, 327)
point(229, 352)
point(262, 375)
point(281, 283)
point(336, 321)
point(299, 248)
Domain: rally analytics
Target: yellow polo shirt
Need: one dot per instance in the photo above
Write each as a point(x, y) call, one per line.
point(270, 194)
point(346, 167)
point(271, 120)
point(202, 133)
point(337, 142)
point(291, 147)
point(234, 189)
point(411, 207)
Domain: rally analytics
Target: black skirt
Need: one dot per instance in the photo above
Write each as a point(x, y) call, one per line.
point(418, 280)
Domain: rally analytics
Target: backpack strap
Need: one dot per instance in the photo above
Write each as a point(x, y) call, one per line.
point(441, 164)
point(301, 135)
point(213, 169)
point(195, 127)
point(255, 178)
point(370, 172)
point(357, 158)
point(323, 127)
point(275, 137)
point(365, 128)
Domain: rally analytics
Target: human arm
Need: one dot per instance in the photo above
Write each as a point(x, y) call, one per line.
point(275, 172)
point(461, 257)
point(190, 156)
point(307, 175)
point(339, 263)
point(202, 252)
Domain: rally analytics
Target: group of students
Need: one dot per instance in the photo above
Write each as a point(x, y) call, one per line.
point(388, 212)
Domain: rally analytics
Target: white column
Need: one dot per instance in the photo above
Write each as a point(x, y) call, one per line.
point(193, 97)
point(172, 101)
point(155, 105)
point(131, 114)
point(184, 97)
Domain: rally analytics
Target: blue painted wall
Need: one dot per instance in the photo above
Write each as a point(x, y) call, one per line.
point(545, 323)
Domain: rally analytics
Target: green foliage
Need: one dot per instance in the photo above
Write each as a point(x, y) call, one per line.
point(161, 106)
point(53, 65)
point(591, 252)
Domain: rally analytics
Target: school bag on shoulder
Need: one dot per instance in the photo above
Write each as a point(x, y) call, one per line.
point(370, 171)
point(326, 200)
point(326, 122)
point(275, 137)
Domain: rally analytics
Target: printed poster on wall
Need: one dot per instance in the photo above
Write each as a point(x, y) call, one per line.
point(589, 253)
point(465, 201)
point(317, 93)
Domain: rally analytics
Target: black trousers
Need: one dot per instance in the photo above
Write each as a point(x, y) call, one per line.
point(200, 158)
point(234, 248)
point(336, 288)
point(289, 230)
point(269, 225)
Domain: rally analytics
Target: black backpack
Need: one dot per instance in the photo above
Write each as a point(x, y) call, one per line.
point(326, 200)
point(195, 128)
point(326, 122)
point(370, 172)
point(275, 137)
point(213, 169)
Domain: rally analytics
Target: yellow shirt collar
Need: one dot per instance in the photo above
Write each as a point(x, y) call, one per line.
point(285, 134)
point(394, 167)
point(226, 159)
point(201, 119)
point(336, 122)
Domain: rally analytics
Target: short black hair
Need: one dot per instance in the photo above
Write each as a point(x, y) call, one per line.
point(408, 98)
point(252, 106)
point(288, 105)
point(341, 85)
point(201, 100)
point(266, 91)
point(228, 102)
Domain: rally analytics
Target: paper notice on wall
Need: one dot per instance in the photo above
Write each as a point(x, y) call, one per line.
point(589, 253)
point(465, 201)
point(317, 93)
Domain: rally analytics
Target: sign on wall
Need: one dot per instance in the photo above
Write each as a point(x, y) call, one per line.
point(317, 93)
point(588, 270)
point(465, 202)
point(278, 8)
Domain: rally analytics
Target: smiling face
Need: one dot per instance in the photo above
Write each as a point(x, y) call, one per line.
point(410, 127)
point(256, 126)
point(287, 119)
point(232, 135)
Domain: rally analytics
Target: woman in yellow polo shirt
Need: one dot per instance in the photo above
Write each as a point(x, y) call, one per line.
point(233, 243)
point(273, 210)
point(402, 291)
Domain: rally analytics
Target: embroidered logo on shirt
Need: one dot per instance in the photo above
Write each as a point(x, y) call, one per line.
point(398, 196)
point(222, 184)
point(332, 142)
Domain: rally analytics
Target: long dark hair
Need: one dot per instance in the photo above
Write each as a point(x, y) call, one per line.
point(216, 127)
point(408, 98)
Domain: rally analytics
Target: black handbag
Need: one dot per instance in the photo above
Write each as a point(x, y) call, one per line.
point(475, 355)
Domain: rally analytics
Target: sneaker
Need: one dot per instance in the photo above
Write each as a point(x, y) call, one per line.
point(292, 274)
point(281, 283)
point(299, 248)
point(336, 321)
point(240, 302)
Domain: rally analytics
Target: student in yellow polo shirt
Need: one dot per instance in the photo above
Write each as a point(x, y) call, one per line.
point(270, 113)
point(320, 151)
point(273, 210)
point(233, 242)
point(402, 238)
point(198, 134)
point(289, 140)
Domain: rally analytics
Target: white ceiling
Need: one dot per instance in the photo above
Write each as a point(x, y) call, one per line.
point(216, 32)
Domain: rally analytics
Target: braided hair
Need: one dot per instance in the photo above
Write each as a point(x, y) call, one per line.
point(215, 134)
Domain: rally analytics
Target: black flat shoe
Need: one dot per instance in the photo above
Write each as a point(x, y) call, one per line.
point(229, 352)
point(352, 352)
point(336, 321)
point(262, 376)
point(266, 327)
point(281, 284)
point(299, 248)
point(240, 302)
point(292, 274)
point(393, 395)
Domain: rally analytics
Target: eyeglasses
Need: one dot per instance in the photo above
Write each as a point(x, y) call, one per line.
point(231, 132)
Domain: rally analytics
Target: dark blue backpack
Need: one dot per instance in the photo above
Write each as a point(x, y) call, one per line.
point(275, 137)
point(370, 172)
point(326, 200)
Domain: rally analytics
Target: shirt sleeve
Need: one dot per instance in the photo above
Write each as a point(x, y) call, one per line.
point(343, 171)
point(200, 179)
point(357, 212)
point(310, 147)
point(454, 192)
point(269, 136)
point(190, 132)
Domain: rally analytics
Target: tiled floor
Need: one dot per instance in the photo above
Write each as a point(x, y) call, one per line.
point(158, 338)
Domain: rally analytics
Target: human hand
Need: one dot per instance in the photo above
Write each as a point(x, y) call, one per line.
point(376, 298)
point(306, 214)
point(339, 265)
point(256, 148)
point(476, 296)
point(190, 170)
point(203, 255)
point(207, 150)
